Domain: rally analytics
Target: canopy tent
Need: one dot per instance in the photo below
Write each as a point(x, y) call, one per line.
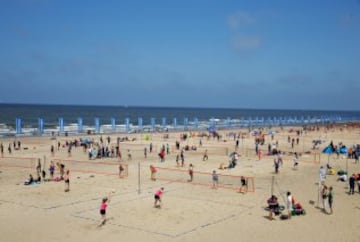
point(328, 150)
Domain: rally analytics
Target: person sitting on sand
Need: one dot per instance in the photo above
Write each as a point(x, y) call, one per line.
point(273, 206)
point(222, 166)
point(342, 177)
point(29, 181)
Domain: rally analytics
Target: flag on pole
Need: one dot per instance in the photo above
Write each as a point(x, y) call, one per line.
point(113, 124)
point(175, 123)
point(186, 123)
point(41, 126)
point(196, 123)
point(163, 122)
point(18, 124)
point(80, 125)
point(152, 121)
point(140, 123)
point(97, 125)
point(61, 125)
point(127, 124)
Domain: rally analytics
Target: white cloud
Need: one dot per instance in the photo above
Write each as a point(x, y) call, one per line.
point(240, 19)
point(245, 42)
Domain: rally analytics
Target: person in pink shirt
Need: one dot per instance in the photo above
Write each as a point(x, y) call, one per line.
point(103, 207)
point(157, 196)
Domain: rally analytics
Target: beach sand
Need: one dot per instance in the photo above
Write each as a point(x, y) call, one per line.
point(191, 211)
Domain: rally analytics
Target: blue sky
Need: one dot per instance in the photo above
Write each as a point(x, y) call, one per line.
point(282, 54)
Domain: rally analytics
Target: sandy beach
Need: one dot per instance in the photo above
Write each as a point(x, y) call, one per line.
point(191, 211)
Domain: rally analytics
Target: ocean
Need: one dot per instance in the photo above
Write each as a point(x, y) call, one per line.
point(164, 116)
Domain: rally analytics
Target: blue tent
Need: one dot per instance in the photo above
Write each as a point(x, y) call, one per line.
point(343, 150)
point(328, 150)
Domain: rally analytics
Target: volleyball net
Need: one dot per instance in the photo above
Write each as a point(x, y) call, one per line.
point(307, 157)
point(82, 166)
point(199, 151)
point(95, 166)
point(232, 182)
point(19, 162)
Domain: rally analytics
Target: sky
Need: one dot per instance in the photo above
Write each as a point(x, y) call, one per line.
point(278, 54)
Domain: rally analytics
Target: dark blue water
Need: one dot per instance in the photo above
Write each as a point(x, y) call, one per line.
point(29, 113)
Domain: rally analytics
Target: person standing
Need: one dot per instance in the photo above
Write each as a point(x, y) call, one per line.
point(157, 196)
point(324, 194)
point(52, 150)
point(121, 171)
point(276, 165)
point(352, 184)
point(289, 203)
point(205, 156)
point(145, 152)
point(67, 180)
point(38, 167)
point(191, 172)
point(103, 207)
point(243, 184)
point(2, 149)
point(330, 199)
point(296, 161)
point(153, 171)
point(322, 174)
point(182, 157)
point(215, 179)
point(52, 170)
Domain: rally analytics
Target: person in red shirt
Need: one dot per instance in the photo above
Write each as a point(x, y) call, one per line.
point(157, 196)
point(103, 207)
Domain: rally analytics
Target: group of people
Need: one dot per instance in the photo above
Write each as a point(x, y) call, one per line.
point(293, 207)
point(41, 175)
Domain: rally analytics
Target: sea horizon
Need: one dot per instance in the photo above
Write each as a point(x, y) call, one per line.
point(179, 107)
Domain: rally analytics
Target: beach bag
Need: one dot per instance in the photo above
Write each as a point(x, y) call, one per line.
point(331, 171)
point(341, 172)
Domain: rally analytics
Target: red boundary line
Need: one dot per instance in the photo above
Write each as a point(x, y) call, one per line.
point(19, 157)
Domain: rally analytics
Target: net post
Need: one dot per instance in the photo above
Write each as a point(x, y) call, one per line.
point(139, 187)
